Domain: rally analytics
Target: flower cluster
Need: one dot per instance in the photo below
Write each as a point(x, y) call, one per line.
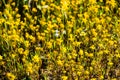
point(59, 40)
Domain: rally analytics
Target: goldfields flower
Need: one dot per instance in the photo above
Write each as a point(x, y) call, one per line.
point(43, 2)
point(87, 72)
point(64, 50)
point(79, 73)
point(49, 45)
point(29, 68)
point(65, 4)
point(1, 57)
point(34, 9)
point(13, 56)
point(27, 43)
point(18, 15)
point(64, 77)
point(92, 47)
point(110, 63)
point(60, 63)
point(62, 26)
point(84, 20)
point(82, 33)
point(92, 1)
point(114, 79)
point(90, 55)
point(93, 79)
point(32, 39)
point(36, 0)
point(16, 9)
point(58, 19)
point(13, 4)
point(91, 69)
point(101, 77)
point(99, 27)
point(59, 41)
point(101, 0)
point(111, 42)
point(10, 76)
point(26, 52)
point(81, 52)
point(36, 58)
point(86, 15)
point(20, 50)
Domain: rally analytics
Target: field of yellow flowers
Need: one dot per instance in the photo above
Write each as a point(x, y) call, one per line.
point(59, 40)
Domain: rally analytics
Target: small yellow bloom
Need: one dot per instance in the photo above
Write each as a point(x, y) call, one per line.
point(34, 9)
point(20, 50)
point(36, 0)
point(92, 1)
point(86, 15)
point(84, 20)
point(87, 72)
point(16, 9)
point(10, 76)
point(64, 49)
point(60, 63)
point(90, 55)
point(99, 27)
point(1, 57)
point(13, 4)
point(111, 42)
point(65, 4)
point(114, 79)
point(29, 68)
point(36, 58)
point(93, 79)
point(64, 78)
point(26, 52)
point(18, 15)
point(13, 55)
point(81, 52)
point(79, 73)
point(49, 45)
point(27, 44)
point(101, 77)
point(110, 63)
point(92, 47)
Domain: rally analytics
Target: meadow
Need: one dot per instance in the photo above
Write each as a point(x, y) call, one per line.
point(59, 40)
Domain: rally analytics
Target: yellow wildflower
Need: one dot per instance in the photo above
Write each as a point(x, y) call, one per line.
point(34, 9)
point(93, 79)
point(79, 73)
point(13, 4)
point(20, 50)
point(1, 57)
point(92, 47)
point(86, 15)
point(49, 45)
point(29, 68)
point(87, 72)
point(65, 4)
point(36, 58)
point(92, 1)
point(81, 52)
point(110, 63)
point(99, 27)
point(10, 76)
point(60, 63)
point(26, 52)
point(64, 77)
